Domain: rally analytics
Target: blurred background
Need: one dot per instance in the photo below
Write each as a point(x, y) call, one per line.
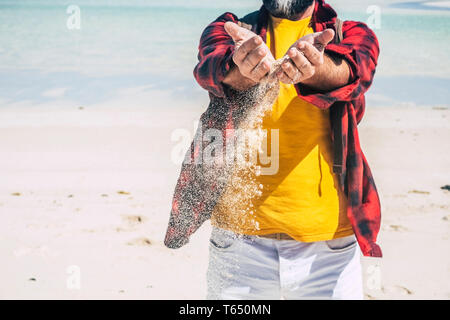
point(88, 116)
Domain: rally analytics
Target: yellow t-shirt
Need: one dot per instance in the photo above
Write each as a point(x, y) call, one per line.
point(303, 198)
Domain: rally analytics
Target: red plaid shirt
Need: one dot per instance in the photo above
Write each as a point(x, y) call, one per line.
point(360, 49)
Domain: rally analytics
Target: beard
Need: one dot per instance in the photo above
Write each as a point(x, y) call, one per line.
point(286, 9)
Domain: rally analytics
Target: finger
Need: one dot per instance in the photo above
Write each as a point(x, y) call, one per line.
point(260, 70)
point(290, 69)
point(283, 77)
point(323, 38)
point(236, 33)
point(246, 47)
point(255, 56)
point(300, 61)
point(311, 53)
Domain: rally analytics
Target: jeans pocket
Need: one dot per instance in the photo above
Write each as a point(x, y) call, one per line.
point(341, 244)
point(222, 239)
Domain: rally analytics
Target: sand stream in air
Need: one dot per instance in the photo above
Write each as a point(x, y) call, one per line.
point(235, 209)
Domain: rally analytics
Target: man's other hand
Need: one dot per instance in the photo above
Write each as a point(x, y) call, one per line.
point(306, 57)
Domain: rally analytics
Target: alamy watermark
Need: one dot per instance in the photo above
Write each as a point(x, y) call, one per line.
point(372, 276)
point(374, 19)
point(73, 281)
point(74, 19)
point(228, 147)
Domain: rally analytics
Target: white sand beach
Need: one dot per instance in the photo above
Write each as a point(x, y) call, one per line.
point(87, 115)
point(91, 188)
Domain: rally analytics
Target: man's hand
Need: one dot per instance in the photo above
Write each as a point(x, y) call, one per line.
point(252, 58)
point(306, 57)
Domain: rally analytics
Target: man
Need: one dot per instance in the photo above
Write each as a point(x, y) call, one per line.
point(322, 204)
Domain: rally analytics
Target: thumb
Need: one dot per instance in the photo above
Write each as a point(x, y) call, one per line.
point(323, 38)
point(236, 32)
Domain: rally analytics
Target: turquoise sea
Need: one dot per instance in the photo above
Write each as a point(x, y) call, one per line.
point(153, 43)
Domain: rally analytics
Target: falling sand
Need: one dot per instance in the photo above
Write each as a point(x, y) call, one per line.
point(235, 210)
point(209, 183)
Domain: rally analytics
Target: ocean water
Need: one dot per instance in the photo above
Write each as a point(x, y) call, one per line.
point(152, 44)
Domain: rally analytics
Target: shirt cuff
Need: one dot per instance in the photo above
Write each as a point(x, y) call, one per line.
point(324, 100)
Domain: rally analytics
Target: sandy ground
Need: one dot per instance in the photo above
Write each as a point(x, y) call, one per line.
point(85, 197)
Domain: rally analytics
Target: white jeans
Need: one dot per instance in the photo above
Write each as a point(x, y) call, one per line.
point(252, 267)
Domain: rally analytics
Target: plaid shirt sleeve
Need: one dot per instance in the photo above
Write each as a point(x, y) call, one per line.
point(360, 49)
point(216, 50)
